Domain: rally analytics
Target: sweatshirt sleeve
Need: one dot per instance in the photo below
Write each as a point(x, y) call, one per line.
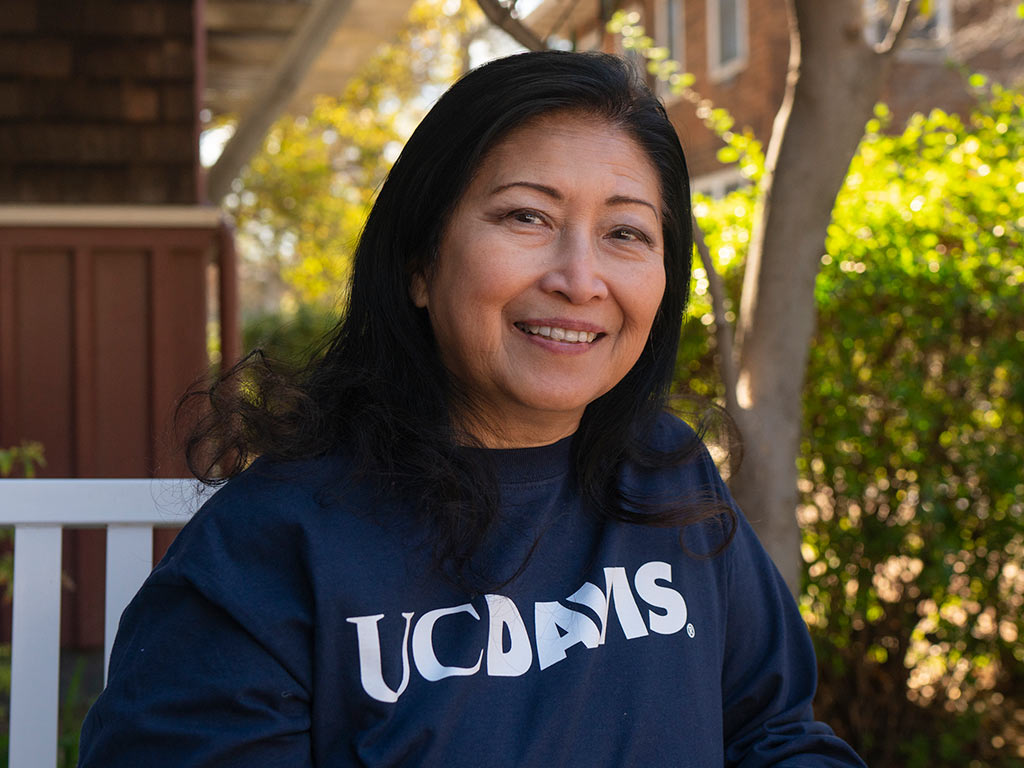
point(769, 672)
point(211, 662)
point(190, 687)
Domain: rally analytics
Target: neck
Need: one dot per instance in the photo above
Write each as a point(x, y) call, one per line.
point(515, 435)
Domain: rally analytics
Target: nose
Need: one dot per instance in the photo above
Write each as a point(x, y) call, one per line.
point(575, 272)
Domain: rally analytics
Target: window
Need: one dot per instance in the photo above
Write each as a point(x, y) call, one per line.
point(670, 33)
point(928, 32)
point(718, 184)
point(727, 37)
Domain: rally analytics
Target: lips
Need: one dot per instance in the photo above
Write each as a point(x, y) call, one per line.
point(556, 333)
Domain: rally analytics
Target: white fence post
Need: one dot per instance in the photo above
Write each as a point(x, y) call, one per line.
point(39, 510)
point(129, 561)
point(35, 646)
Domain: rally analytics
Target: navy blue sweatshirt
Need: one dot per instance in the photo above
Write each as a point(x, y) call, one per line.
point(294, 624)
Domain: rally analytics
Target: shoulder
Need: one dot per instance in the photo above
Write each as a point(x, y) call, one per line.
point(670, 431)
point(673, 452)
point(276, 486)
point(270, 514)
point(675, 438)
point(671, 472)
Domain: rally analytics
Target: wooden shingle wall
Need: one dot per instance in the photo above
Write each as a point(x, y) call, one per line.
point(98, 101)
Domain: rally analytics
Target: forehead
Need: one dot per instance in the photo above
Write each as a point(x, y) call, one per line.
point(562, 142)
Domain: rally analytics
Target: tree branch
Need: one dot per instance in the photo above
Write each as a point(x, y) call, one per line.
point(564, 16)
point(899, 27)
point(723, 329)
point(302, 50)
point(501, 17)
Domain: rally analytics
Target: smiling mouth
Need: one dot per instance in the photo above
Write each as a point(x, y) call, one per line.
point(558, 334)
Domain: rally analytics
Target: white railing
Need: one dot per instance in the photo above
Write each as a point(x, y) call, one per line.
point(39, 510)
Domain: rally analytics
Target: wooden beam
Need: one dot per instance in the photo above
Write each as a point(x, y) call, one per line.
point(319, 23)
point(501, 16)
point(249, 48)
point(253, 16)
point(114, 216)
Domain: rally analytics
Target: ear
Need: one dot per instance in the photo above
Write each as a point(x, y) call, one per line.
point(418, 290)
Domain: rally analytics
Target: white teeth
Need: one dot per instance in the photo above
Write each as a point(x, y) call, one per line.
point(559, 334)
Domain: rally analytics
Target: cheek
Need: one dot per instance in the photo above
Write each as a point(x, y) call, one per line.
point(645, 295)
point(467, 317)
point(454, 329)
point(479, 290)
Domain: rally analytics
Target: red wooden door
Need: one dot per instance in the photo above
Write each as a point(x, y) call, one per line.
point(101, 331)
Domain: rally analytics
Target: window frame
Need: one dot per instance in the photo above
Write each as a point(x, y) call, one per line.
point(719, 70)
point(913, 45)
point(672, 37)
point(717, 184)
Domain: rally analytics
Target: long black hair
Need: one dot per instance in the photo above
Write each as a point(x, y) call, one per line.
point(379, 392)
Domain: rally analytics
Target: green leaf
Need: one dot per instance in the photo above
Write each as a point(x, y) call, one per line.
point(728, 155)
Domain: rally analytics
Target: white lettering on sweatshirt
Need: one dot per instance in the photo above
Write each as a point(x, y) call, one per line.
point(557, 628)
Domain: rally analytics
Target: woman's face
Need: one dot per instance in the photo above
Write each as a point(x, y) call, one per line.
point(549, 275)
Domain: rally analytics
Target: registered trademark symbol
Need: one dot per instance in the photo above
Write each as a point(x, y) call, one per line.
point(689, 630)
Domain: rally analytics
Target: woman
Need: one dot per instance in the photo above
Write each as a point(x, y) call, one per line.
point(474, 538)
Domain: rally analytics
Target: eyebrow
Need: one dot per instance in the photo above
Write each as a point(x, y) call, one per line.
point(555, 194)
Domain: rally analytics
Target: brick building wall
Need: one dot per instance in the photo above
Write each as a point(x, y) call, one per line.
point(986, 37)
point(983, 36)
point(98, 101)
point(752, 95)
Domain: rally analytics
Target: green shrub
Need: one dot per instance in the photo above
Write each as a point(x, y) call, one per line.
point(911, 468)
point(911, 463)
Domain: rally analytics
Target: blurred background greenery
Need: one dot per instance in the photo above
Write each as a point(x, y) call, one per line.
point(911, 482)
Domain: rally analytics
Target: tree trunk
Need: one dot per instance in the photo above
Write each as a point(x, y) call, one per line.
point(835, 78)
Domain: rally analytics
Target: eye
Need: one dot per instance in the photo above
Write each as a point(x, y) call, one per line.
point(629, 234)
point(526, 217)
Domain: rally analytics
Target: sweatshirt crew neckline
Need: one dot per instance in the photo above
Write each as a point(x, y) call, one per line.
point(518, 466)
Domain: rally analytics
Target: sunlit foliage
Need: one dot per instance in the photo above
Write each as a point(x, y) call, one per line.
point(300, 204)
point(912, 459)
point(912, 465)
